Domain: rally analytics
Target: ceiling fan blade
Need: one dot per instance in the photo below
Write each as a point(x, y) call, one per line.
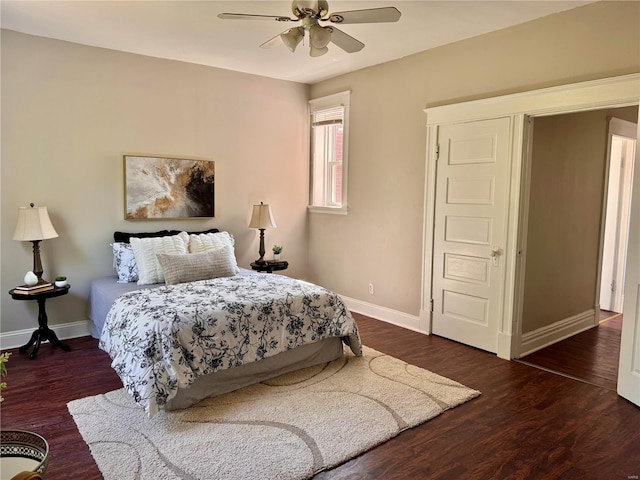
point(370, 15)
point(248, 16)
point(344, 41)
point(273, 42)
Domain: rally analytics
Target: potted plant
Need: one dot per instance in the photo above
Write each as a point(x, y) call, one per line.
point(61, 281)
point(277, 249)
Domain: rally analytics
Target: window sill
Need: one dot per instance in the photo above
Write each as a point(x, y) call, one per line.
point(329, 210)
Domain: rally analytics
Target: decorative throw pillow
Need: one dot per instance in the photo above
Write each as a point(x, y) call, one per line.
point(197, 266)
point(124, 262)
point(212, 241)
point(147, 249)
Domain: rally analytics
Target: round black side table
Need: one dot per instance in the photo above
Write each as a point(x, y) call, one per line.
point(270, 266)
point(43, 332)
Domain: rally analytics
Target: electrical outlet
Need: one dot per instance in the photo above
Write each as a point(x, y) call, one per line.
point(371, 288)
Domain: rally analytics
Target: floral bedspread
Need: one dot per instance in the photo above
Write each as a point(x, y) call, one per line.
point(162, 339)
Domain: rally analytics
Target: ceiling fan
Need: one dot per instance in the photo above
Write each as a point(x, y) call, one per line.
point(310, 14)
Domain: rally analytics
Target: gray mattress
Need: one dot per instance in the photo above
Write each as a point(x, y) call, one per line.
point(102, 293)
point(105, 290)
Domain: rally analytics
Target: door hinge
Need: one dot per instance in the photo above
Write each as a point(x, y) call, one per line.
point(431, 305)
point(437, 152)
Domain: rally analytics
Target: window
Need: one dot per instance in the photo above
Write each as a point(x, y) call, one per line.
point(329, 151)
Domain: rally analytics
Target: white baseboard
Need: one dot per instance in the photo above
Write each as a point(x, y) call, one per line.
point(550, 334)
point(81, 328)
point(400, 319)
point(66, 330)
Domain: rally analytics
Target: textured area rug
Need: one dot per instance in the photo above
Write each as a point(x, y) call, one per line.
point(290, 427)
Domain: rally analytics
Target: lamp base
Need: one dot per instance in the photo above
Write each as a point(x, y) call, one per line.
point(37, 263)
point(261, 250)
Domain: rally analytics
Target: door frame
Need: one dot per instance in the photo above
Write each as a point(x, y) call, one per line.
point(616, 128)
point(611, 92)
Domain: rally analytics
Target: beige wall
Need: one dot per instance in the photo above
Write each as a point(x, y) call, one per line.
point(568, 171)
point(69, 113)
point(380, 240)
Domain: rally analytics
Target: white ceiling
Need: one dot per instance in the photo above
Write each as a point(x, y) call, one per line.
point(190, 31)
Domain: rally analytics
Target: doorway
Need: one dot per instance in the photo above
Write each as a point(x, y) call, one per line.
point(565, 223)
point(576, 243)
point(621, 148)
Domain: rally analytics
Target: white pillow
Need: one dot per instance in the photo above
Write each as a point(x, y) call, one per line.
point(146, 250)
point(197, 266)
point(203, 242)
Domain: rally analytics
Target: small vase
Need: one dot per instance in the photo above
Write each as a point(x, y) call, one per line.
point(61, 283)
point(276, 256)
point(30, 279)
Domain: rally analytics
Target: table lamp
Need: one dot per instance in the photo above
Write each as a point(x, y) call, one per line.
point(261, 218)
point(33, 226)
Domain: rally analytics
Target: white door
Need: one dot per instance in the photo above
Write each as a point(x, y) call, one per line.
point(629, 367)
point(470, 231)
point(621, 150)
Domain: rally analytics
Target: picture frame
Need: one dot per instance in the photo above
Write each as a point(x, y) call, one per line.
point(158, 187)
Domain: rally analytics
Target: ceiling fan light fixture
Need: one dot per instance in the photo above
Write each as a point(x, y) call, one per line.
point(319, 37)
point(317, 52)
point(292, 38)
point(310, 13)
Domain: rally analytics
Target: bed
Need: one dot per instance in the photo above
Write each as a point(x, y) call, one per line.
point(174, 343)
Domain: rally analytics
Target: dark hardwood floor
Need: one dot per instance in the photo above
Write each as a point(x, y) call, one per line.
point(591, 356)
point(527, 424)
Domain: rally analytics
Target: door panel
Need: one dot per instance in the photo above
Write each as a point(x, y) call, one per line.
point(470, 231)
point(629, 367)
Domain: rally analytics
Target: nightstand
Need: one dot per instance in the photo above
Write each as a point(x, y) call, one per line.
point(43, 332)
point(270, 266)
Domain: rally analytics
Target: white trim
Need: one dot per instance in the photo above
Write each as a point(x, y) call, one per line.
point(328, 101)
point(623, 128)
point(329, 210)
point(596, 94)
point(394, 317)
point(426, 316)
point(505, 347)
point(550, 334)
point(337, 99)
point(523, 228)
point(629, 364)
point(17, 338)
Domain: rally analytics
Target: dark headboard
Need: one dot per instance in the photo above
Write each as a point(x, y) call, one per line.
point(124, 237)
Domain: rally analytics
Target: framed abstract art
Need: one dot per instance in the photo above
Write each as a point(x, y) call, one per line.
point(158, 188)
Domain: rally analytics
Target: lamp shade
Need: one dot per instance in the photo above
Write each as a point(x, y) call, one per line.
point(292, 37)
point(317, 52)
point(319, 36)
point(34, 224)
point(261, 217)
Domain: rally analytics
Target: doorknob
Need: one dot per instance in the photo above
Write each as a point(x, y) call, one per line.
point(495, 253)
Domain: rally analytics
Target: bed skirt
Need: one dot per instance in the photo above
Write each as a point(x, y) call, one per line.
point(225, 381)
